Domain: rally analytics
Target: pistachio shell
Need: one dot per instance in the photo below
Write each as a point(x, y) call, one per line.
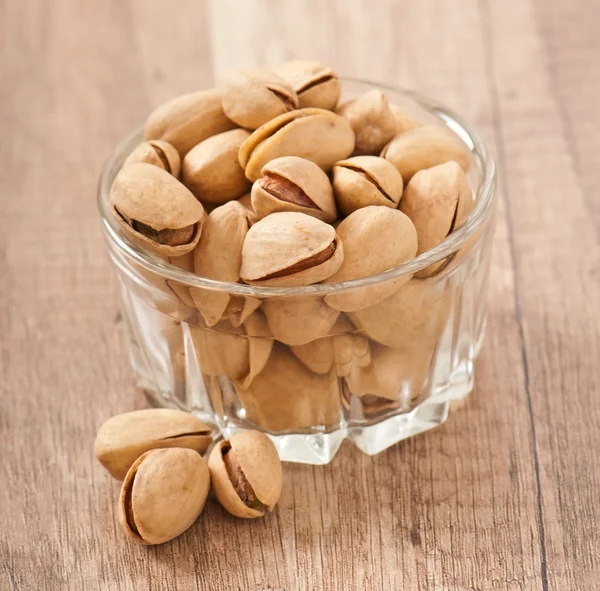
point(290, 183)
point(375, 239)
point(286, 396)
point(122, 439)
point(314, 134)
point(187, 120)
point(211, 169)
point(253, 97)
point(317, 355)
point(171, 334)
point(240, 307)
point(151, 205)
point(246, 474)
point(315, 84)
point(366, 180)
point(246, 202)
point(371, 119)
point(260, 344)
point(185, 263)
point(163, 494)
point(404, 120)
point(158, 153)
point(424, 147)
point(289, 248)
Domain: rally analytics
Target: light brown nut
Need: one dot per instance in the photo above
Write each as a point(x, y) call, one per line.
point(185, 263)
point(424, 147)
point(290, 183)
point(286, 395)
point(246, 202)
point(187, 120)
point(211, 170)
point(316, 84)
point(240, 307)
point(315, 134)
point(155, 210)
point(253, 97)
point(366, 180)
point(438, 200)
point(375, 239)
point(246, 474)
point(317, 355)
point(372, 121)
point(163, 494)
point(288, 249)
point(122, 439)
point(219, 256)
point(159, 153)
point(404, 120)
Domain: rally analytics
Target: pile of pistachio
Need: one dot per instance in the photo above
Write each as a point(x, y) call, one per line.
point(157, 455)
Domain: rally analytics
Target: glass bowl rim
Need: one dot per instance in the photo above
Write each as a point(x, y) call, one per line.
point(481, 211)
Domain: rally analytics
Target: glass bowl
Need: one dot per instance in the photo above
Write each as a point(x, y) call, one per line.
point(281, 360)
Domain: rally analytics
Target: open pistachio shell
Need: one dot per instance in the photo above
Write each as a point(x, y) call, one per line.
point(371, 119)
point(163, 494)
point(253, 97)
point(187, 120)
point(315, 134)
point(375, 239)
point(366, 180)
point(289, 248)
point(290, 183)
point(316, 84)
point(211, 169)
point(424, 147)
point(246, 474)
point(286, 395)
point(159, 153)
point(155, 210)
point(404, 120)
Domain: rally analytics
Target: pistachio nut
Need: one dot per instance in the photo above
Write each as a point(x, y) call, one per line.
point(159, 153)
point(253, 97)
point(350, 350)
point(424, 147)
point(290, 183)
point(375, 239)
point(438, 200)
point(315, 84)
point(218, 255)
point(187, 120)
point(260, 344)
point(122, 439)
point(163, 494)
point(211, 169)
point(239, 308)
point(371, 119)
point(315, 134)
point(185, 263)
point(366, 180)
point(404, 120)
point(171, 334)
point(286, 395)
point(317, 355)
point(299, 320)
point(246, 202)
point(415, 314)
point(155, 210)
point(290, 248)
point(246, 474)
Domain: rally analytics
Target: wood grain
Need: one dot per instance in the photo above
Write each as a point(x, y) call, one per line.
point(502, 497)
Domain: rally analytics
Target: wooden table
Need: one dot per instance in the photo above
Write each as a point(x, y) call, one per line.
point(505, 495)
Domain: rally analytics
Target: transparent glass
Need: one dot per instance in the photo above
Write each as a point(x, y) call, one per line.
point(284, 361)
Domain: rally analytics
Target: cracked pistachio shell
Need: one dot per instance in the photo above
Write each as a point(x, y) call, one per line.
point(253, 97)
point(122, 439)
point(240, 307)
point(185, 263)
point(155, 210)
point(372, 121)
point(211, 169)
point(366, 180)
point(246, 202)
point(415, 314)
point(299, 320)
point(375, 239)
point(163, 494)
point(286, 395)
point(438, 200)
point(187, 120)
point(218, 256)
point(295, 184)
point(316, 84)
point(315, 134)
point(404, 120)
point(424, 147)
point(246, 474)
point(288, 249)
point(159, 153)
